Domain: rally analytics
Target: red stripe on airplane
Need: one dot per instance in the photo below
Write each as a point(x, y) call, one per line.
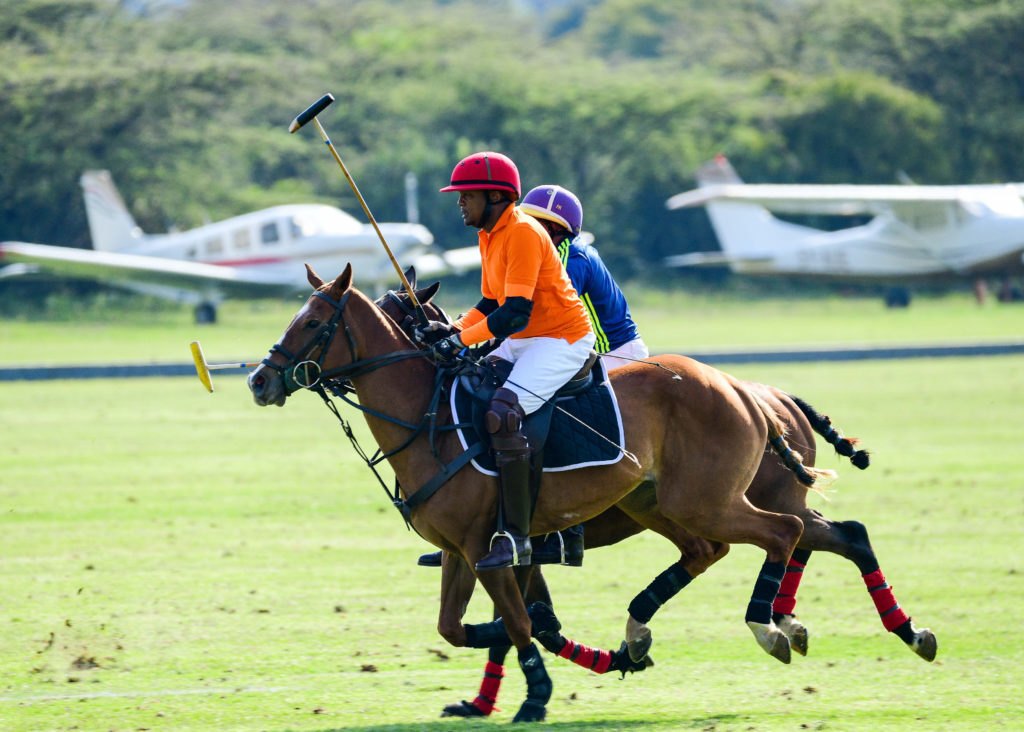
point(246, 262)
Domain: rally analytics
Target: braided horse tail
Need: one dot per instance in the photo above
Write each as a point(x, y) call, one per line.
point(823, 426)
point(809, 476)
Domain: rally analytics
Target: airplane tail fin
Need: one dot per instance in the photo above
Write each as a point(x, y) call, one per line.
point(111, 226)
point(717, 171)
point(745, 231)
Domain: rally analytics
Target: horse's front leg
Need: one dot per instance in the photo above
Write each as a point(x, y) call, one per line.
point(457, 584)
point(501, 585)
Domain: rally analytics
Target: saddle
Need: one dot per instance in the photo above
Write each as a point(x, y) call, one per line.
point(579, 427)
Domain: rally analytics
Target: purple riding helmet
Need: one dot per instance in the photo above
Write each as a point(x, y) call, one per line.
point(554, 203)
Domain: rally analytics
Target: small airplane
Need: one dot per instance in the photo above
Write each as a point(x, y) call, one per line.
point(914, 231)
point(258, 254)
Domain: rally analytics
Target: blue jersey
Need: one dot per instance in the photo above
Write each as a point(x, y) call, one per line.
point(604, 301)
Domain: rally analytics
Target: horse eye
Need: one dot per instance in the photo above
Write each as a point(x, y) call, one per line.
point(313, 324)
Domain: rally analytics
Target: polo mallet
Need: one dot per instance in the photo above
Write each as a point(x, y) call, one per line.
point(203, 368)
point(310, 113)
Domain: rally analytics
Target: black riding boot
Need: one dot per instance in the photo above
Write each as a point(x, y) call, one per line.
point(510, 545)
point(560, 547)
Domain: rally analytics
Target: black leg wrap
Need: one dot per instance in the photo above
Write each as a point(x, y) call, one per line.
point(661, 590)
point(538, 682)
point(765, 589)
point(497, 654)
point(487, 635)
point(905, 631)
point(545, 627)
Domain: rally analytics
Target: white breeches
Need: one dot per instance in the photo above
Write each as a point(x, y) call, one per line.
point(542, 366)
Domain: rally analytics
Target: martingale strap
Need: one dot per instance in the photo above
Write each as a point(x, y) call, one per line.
point(429, 488)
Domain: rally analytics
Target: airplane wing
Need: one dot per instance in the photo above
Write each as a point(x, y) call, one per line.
point(714, 259)
point(123, 268)
point(838, 199)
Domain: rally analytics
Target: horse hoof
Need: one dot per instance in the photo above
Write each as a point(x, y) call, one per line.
point(771, 639)
point(639, 646)
point(795, 631)
point(463, 709)
point(925, 645)
point(531, 711)
point(622, 663)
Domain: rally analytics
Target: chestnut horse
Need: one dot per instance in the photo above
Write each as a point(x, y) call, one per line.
point(695, 436)
point(774, 488)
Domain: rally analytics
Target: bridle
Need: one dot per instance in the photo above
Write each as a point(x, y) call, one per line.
point(301, 371)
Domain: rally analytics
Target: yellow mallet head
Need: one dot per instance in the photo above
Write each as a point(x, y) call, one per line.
point(202, 370)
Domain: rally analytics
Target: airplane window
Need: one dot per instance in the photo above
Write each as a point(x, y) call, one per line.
point(269, 234)
point(301, 227)
point(242, 239)
point(214, 245)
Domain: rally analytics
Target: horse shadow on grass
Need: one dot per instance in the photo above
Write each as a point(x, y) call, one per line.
point(465, 725)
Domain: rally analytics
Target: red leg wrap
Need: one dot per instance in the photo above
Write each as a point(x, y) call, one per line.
point(488, 696)
point(596, 660)
point(785, 601)
point(885, 602)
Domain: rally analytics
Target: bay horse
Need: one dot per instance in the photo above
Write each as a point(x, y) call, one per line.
point(774, 488)
point(695, 433)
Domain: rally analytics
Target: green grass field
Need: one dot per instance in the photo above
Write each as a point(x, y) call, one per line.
point(670, 321)
point(171, 559)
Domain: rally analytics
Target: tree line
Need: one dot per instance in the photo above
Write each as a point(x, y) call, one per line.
point(187, 104)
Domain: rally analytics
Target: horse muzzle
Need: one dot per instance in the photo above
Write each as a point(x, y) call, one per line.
point(267, 387)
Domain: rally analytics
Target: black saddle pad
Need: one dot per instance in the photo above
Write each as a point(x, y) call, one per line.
point(586, 428)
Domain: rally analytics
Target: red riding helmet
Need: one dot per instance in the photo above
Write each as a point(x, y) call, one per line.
point(485, 171)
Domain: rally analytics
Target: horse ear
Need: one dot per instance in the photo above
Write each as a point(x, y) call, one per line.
point(410, 276)
point(427, 293)
point(314, 278)
point(342, 283)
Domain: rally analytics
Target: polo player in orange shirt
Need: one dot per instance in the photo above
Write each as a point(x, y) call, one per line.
point(529, 302)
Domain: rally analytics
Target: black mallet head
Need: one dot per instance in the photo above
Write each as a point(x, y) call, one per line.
point(312, 111)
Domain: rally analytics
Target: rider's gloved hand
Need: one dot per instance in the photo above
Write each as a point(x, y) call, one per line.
point(432, 332)
point(446, 349)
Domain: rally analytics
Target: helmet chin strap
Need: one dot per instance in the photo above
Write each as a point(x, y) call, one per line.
point(489, 209)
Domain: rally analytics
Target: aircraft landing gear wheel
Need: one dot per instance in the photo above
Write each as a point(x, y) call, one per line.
point(206, 313)
point(897, 297)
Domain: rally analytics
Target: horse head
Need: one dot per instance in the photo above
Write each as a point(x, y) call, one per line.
point(337, 336)
point(309, 345)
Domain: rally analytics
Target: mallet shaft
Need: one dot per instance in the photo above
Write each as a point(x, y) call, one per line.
point(366, 210)
point(310, 113)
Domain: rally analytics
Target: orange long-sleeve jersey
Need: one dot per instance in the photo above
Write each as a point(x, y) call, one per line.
point(520, 261)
